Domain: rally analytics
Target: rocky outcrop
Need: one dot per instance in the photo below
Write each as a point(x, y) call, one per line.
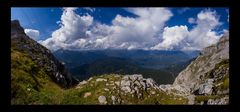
point(206, 88)
point(128, 89)
point(134, 84)
point(195, 73)
point(41, 55)
point(208, 74)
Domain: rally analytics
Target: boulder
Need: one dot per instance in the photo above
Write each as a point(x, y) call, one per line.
point(206, 88)
point(102, 100)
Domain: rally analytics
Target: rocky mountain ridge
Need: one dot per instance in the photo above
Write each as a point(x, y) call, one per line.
point(41, 55)
point(207, 76)
point(203, 64)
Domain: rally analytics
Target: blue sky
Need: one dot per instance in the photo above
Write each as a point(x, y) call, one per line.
point(101, 30)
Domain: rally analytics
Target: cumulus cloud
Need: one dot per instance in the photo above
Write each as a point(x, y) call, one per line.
point(141, 32)
point(78, 32)
point(34, 34)
point(172, 37)
point(202, 35)
point(146, 31)
point(73, 27)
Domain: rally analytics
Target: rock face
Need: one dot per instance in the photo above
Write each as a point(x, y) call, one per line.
point(197, 70)
point(206, 88)
point(208, 74)
point(41, 55)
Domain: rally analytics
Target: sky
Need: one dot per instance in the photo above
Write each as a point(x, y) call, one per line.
point(148, 28)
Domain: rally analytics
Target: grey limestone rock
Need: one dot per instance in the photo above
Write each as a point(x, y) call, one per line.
point(102, 100)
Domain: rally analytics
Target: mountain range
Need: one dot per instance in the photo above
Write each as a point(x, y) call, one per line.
point(150, 63)
point(39, 78)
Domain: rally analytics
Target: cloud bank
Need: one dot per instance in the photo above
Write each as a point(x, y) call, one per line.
point(147, 31)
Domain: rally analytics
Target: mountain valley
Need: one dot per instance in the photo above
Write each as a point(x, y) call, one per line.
point(117, 77)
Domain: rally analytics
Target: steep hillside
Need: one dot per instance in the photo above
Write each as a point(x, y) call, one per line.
point(33, 69)
point(207, 77)
point(40, 55)
point(38, 78)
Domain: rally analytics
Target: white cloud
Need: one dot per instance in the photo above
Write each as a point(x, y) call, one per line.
point(191, 20)
point(34, 34)
point(146, 31)
point(73, 27)
point(201, 36)
point(139, 32)
point(172, 37)
point(125, 32)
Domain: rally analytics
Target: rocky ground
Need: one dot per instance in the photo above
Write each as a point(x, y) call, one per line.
point(128, 89)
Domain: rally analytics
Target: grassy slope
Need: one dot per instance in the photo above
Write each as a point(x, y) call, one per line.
point(76, 96)
point(29, 83)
